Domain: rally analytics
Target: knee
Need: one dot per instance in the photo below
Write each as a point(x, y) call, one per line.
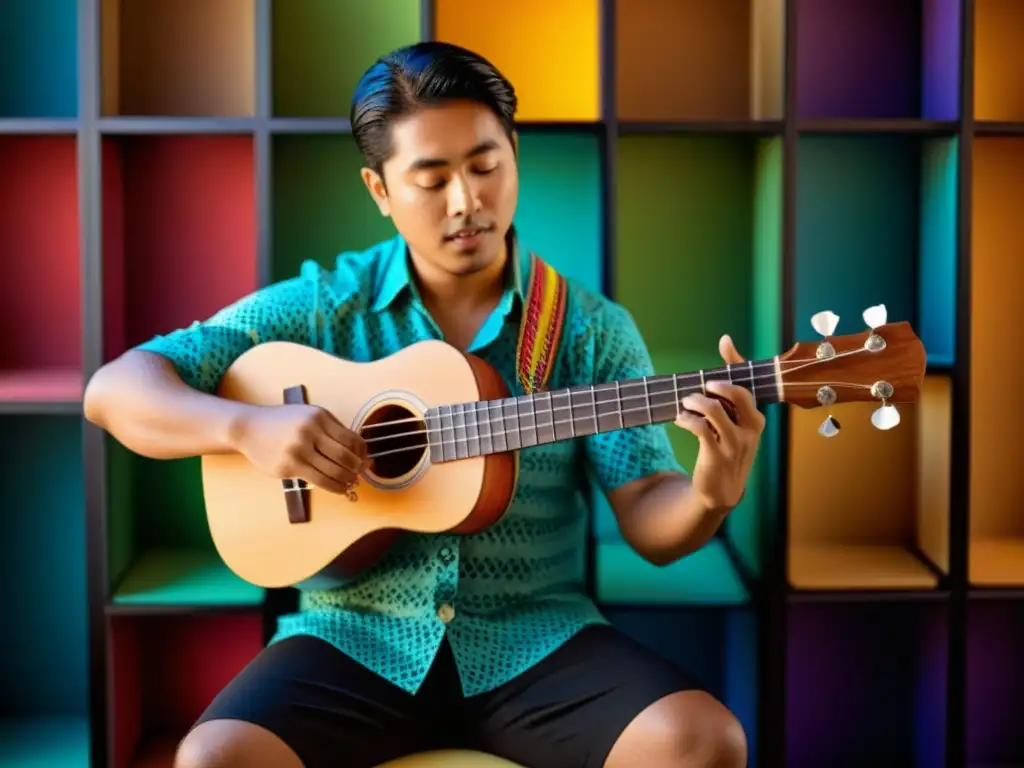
point(710, 737)
point(232, 744)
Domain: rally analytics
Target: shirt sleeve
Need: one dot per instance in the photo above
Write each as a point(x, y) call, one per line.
point(202, 352)
point(621, 456)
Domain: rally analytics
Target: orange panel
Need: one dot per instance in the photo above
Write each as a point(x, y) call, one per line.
point(997, 354)
point(548, 49)
point(935, 440)
point(998, 60)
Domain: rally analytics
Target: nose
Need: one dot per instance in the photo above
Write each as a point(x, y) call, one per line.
point(462, 196)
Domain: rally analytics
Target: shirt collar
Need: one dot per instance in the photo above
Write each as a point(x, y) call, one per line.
point(393, 275)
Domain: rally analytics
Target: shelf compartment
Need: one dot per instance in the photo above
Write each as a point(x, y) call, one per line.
point(179, 232)
point(866, 684)
point(868, 509)
point(40, 293)
point(716, 646)
point(878, 59)
point(725, 60)
point(998, 61)
point(164, 671)
point(995, 683)
point(696, 213)
point(44, 687)
point(39, 42)
point(997, 272)
point(320, 50)
point(178, 58)
point(556, 77)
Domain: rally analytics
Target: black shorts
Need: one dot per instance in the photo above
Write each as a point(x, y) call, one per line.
point(565, 712)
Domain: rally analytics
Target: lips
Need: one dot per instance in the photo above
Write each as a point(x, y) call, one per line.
point(465, 234)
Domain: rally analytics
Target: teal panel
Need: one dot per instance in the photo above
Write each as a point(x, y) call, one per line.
point(705, 577)
point(44, 640)
point(936, 321)
point(857, 227)
point(559, 213)
point(39, 59)
point(717, 646)
point(54, 742)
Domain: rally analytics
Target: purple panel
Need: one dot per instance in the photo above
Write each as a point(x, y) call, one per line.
point(995, 684)
point(940, 97)
point(866, 685)
point(858, 58)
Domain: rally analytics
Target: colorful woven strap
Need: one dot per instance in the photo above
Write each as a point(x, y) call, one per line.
point(541, 328)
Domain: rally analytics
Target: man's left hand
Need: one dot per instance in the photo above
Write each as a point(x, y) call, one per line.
point(727, 448)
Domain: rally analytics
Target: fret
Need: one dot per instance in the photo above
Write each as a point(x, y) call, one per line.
point(584, 419)
point(527, 422)
point(434, 436)
point(484, 428)
point(647, 401)
point(633, 401)
point(606, 407)
point(753, 380)
point(510, 423)
point(662, 393)
point(544, 418)
point(448, 432)
point(459, 420)
point(562, 413)
point(472, 430)
point(497, 426)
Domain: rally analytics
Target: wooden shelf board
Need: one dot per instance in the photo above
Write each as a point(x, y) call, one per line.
point(842, 566)
point(178, 579)
point(44, 742)
point(996, 562)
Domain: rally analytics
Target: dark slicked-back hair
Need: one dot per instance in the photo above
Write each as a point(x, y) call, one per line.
point(423, 75)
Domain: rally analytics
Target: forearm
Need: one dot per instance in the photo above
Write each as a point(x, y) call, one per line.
point(143, 403)
point(668, 521)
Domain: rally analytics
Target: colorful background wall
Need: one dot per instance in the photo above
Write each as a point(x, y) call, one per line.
point(728, 166)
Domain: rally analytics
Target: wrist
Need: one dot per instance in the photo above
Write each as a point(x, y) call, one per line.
point(236, 427)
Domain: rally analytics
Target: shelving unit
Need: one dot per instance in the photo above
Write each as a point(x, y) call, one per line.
point(734, 166)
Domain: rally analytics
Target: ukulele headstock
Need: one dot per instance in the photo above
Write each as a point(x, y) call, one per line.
point(884, 364)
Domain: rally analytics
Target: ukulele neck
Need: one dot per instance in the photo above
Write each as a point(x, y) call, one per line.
point(467, 430)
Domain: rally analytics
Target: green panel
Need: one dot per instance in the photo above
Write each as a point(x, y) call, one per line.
point(857, 228)
point(168, 502)
point(321, 206)
point(120, 504)
point(322, 47)
point(57, 742)
point(184, 577)
point(559, 214)
point(705, 577)
point(684, 246)
point(937, 260)
point(44, 640)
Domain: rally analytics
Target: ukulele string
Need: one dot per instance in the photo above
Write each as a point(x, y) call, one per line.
point(503, 432)
point(787, 366)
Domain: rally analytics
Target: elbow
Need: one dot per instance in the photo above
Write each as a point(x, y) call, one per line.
point(94, 396)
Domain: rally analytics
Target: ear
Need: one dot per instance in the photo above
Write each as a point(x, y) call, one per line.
point(377, 189)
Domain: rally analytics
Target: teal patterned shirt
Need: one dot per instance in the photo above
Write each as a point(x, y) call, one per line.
point(505, 597)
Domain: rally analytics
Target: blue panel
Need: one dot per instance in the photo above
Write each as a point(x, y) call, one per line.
point(39, 58)
point(936, 323)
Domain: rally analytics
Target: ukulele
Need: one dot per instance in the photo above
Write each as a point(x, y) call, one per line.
point(443, 435)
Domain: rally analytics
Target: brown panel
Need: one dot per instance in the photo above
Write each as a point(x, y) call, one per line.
point(683, 59)
point(182, 58)
point(767, 60)
point(997, 351)
point(933, 467)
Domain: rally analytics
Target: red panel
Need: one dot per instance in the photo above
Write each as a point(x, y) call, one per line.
point(187, 231)
point(40, 276)
point(182, 662)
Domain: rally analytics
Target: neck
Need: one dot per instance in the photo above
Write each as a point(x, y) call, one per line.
point(440, 288)
point(465, 430)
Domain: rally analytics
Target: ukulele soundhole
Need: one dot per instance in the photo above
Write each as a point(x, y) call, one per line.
point(396, 438)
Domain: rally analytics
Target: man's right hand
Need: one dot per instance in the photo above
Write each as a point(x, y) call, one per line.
point(303, 441)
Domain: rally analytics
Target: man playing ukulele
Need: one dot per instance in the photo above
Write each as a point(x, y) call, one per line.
point(483, 641)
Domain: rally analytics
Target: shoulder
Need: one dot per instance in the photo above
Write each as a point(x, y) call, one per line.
point(597, 318)
point(349, 284)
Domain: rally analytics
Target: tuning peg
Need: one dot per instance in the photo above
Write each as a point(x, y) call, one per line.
point(875, 316)
point(825, 322)
point(829, 427)
point(885, 417)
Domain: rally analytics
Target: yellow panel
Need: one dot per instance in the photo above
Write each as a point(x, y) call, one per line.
point(933, 468)
point(997, 354)
point(858, 487)
point(998, 60)
point(548, 49)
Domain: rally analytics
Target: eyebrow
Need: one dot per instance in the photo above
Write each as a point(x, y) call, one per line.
point(424, 163)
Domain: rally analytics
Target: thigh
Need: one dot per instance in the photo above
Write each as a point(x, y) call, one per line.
point(570, 709)
point(327, 708)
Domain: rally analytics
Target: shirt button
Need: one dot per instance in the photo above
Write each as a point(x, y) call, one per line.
point(446, 555)
point(446, 612)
